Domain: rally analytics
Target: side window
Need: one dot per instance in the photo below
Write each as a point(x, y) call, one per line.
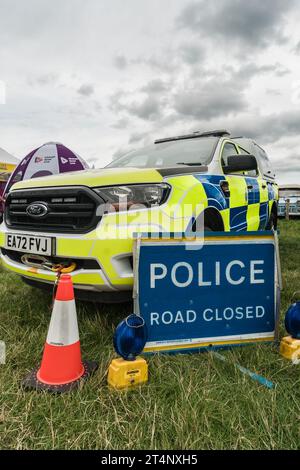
point(251, 173)
point(228, 150)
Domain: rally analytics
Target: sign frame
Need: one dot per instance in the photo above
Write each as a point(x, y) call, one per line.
point(227, 238)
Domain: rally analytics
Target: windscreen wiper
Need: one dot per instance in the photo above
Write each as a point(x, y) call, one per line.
point(190, 163)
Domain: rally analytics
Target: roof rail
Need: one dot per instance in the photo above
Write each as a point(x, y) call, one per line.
point(194, 135)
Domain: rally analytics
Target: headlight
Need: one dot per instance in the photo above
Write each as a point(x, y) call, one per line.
point(137, 195)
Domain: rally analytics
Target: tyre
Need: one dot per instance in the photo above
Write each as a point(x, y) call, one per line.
point(272, 223)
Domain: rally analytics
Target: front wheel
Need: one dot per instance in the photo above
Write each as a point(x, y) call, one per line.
point(272, 223)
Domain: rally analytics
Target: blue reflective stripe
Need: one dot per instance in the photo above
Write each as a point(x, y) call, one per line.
point(238, 218)
point(214, 194)
point(271, 192)
point(253, 194)
point(263, 215)
point(213, 179)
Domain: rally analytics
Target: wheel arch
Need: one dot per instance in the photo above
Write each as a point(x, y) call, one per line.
point(274, 211)
point(274, 207)
point(209, 217)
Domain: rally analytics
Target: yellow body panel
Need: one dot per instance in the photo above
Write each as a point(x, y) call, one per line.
point(226, 219)
point(263, 190)
point(253, 217)
point(93, 178)
point(238, 191)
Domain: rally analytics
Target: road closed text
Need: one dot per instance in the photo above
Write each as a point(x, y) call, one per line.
point(226, 314)
point(183, 274)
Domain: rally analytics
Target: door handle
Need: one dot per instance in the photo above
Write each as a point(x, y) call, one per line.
point(264, 186)
point(225, 188)
point(249, 186)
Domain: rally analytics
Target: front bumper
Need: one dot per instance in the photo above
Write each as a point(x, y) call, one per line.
point(113, 257)
point(109, 247)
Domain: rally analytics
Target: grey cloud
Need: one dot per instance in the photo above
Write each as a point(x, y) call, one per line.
point(270, 128)
point(86, 89)
point(148, 108)
point(220, 94)
point(288, 164)
point(120, 62)
point(137, 137)
point(281, 71)
point(209, 94)
point(167, 62)
point(265, 129)
point(273, 92)
point(250, 70)
point(121, 123)
point(149, 104)
point(115, 100)
point(42, 80)
point(96, 106)
point(155, 86)
point(297, 48)
point(209, 100)
point(192, 53)
point(254, 23)
point(170, 60)
point(46, 79)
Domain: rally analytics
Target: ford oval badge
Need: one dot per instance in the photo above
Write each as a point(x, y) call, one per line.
point(37, 209)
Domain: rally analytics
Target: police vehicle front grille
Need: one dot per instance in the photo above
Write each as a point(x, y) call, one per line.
point(71, 209)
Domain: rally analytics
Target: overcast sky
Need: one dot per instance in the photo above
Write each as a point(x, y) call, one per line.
point(103, 76)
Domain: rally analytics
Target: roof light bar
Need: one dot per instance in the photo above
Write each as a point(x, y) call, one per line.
point(194, 135)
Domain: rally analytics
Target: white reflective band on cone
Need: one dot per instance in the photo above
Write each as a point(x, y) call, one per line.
point(63, 328)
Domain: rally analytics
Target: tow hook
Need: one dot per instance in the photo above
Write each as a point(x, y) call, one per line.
point(38, 261)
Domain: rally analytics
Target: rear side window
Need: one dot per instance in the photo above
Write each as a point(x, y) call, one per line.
point(264, 162)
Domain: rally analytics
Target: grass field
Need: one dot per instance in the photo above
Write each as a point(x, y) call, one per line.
point(191, 402)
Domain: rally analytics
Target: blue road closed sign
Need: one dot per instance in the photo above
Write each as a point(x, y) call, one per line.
point(197, 293)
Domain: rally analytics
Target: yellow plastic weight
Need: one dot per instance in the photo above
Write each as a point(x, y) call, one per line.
point(126, 374)
point(290, 349)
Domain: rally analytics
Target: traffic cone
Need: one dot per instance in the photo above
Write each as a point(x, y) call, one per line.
point(61, 368)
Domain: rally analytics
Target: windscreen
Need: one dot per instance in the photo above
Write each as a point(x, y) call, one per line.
point(168, 154)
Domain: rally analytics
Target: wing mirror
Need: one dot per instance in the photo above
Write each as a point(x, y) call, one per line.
point(237, 163)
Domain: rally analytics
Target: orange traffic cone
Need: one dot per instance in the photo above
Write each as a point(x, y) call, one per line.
point(62, 368)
